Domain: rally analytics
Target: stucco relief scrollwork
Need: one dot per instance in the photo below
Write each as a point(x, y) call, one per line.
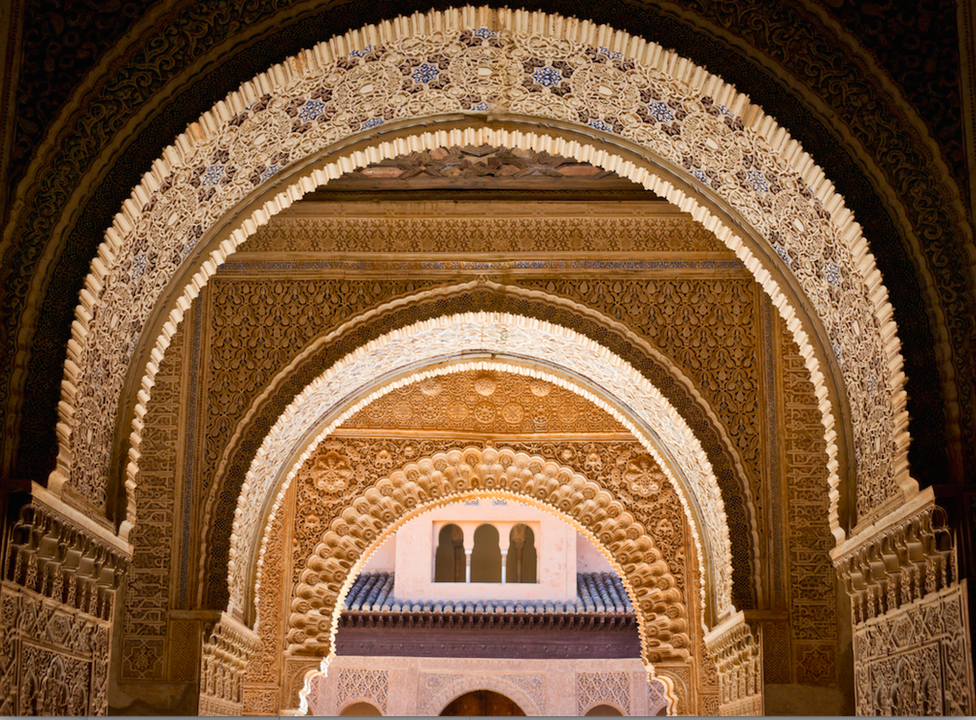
point(916, 660)
point(504, 334)
point(451, 476)
point(756, 169)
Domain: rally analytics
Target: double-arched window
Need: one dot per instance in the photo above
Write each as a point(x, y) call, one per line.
point(486, 561)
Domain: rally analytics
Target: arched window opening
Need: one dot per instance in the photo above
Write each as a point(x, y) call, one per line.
point(603, 711)
point(483, 703)
point(486, 557)
point(522, 562)
point(449, 559)
point(361, 709)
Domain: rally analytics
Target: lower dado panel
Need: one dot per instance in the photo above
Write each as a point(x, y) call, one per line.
point(425, 686)
point(916, 660)
point(54, 659)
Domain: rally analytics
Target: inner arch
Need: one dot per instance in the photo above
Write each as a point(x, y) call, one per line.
point(483, 463)
point(405, 356)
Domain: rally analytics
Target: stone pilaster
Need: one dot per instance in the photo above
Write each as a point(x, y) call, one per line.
point(228, 645)
point(735, 648)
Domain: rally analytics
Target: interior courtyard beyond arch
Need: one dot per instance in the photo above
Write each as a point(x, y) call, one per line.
point(425, 360)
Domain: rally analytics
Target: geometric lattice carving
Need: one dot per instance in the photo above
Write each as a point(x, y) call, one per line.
point(355, 684)
point(598, 688)
point(443, 478)
point(657, 697)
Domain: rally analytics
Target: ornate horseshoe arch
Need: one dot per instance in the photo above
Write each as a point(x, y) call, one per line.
point(450, 477)
point(405, 356)
point(705, 148)
point(746, 557)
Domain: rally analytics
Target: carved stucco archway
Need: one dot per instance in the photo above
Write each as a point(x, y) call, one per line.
point(508, 343)
point(457, 475)
point(269, 406)
point(695, 140)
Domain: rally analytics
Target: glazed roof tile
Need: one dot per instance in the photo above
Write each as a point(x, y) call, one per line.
point(595, 593)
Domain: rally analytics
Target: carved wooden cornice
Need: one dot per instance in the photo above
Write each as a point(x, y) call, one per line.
point(900, 559)
point(601, 637)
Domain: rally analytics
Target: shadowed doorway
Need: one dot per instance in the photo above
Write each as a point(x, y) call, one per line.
point(484, 703)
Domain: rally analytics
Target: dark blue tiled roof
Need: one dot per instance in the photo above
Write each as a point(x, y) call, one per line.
point(595, 593)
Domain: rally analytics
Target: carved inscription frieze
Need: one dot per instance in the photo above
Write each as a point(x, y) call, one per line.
point(812, 578)
point(522, 232)
point(147, 600)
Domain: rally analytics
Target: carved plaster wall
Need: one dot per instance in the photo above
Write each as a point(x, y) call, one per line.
point(57, 605)
point(912, 645)
point(240, 352)
point(916, 660)
point(153, 574)
point(812, 627)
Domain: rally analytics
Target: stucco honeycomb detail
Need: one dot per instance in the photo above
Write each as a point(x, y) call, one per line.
point(451, 476)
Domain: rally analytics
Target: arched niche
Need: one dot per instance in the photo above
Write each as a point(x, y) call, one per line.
point(522, 560)
point(459, 475)
point(486, 556)
point(449, 558)
point(847, 335)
